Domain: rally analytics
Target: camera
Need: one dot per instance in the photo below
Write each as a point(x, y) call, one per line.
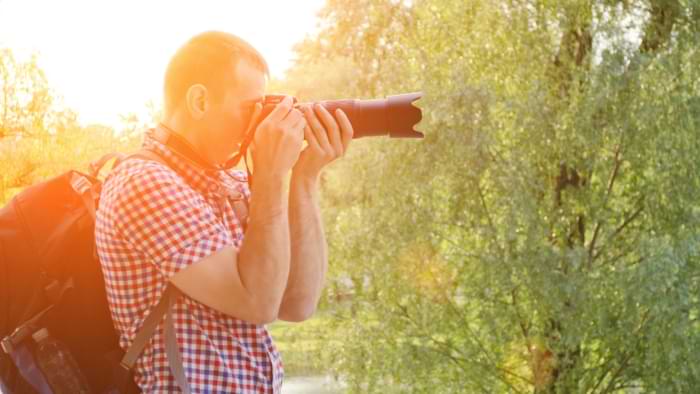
point(394, 116)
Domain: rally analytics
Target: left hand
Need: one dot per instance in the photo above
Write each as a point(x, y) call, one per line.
point(328, 138)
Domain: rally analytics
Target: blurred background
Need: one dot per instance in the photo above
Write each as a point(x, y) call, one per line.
point(543, 237)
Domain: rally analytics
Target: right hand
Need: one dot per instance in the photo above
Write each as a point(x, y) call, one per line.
point(278, 139)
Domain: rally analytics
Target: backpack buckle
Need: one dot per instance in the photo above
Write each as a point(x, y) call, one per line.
point(124, 366)
point(20, 333)
point(7, 346)
point(9, 343)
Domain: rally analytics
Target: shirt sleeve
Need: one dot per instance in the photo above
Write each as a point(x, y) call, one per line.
point(163, 218)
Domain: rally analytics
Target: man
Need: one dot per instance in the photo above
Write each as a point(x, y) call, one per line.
point(174, 222)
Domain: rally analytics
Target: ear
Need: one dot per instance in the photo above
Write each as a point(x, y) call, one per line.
point(197, 101)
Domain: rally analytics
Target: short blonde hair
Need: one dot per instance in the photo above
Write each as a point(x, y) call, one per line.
point(207, 59)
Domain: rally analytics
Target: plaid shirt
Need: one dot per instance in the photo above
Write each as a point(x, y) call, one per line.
point(151, 223)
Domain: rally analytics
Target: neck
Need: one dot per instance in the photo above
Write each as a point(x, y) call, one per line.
point(192, 136)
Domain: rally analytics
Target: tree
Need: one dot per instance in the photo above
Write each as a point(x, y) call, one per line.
point(24, 96)
point(544, 236)
point(38, 137)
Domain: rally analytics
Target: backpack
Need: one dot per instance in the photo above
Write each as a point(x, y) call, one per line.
point(50, 277)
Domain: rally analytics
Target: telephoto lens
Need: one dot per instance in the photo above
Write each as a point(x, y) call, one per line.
point(394, 116)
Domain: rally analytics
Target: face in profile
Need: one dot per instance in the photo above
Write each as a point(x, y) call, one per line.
point(227, 118)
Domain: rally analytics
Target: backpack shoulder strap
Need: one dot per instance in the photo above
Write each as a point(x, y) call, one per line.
point(148, 328)
point(163, 308)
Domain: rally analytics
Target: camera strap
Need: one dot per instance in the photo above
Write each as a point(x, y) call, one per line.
point(243, 152)
point(185, 150)
point(181, 147)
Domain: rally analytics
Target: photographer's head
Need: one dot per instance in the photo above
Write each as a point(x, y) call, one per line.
point(211, 86)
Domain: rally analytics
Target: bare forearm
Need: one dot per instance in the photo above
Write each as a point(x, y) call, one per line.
point(265, 253)
point(309, 251)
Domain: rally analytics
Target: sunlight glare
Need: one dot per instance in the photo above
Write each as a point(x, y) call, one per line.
point(108, 58)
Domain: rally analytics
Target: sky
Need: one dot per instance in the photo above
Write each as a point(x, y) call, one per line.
point(107, 58)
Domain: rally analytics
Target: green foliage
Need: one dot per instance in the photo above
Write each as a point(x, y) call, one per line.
point(40, 139)
point(544, 235)
point(25, 98)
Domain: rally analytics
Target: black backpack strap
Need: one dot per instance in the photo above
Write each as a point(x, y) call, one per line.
point(148, 328)
point(87, 190)
point(171, 349)
point(164, 307)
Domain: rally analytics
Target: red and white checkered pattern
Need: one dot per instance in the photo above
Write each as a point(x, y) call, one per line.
point(151, 223)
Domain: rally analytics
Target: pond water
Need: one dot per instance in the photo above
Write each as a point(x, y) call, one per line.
point(311, 385)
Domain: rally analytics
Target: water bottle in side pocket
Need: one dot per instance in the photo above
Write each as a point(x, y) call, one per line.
point(58, 365)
